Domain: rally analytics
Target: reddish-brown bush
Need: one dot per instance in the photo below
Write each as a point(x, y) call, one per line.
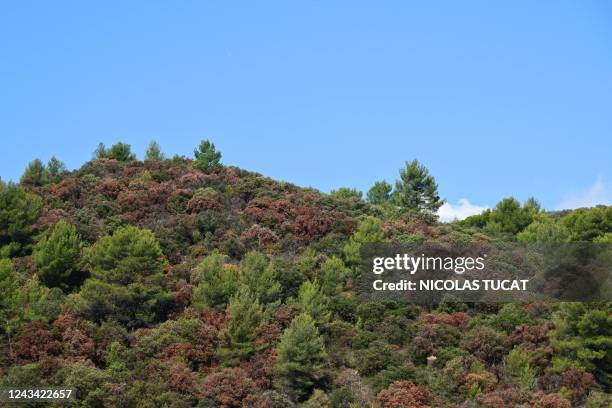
point(404, 394)
point(492, 401)
point(578, 382)
point(307, 222)
point(228, 387)
point(485, 380)
point(50, 217)
point(537, 335)
point(33, 341)
point(261, 368)
point(486, 343)
point(262, 235)
point(431, 336)
point(209, 201)
point(108, 187)
point(182, 379)
point(457, 319)
point(191, 179)
point(77, 337)
point(541, 400)
point(67, 189)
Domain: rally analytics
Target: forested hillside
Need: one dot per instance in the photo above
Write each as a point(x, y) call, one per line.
point(181, 282)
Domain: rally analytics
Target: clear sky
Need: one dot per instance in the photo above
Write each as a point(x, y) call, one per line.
point(496, 99)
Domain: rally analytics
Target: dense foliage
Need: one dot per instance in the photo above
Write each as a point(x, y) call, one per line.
point(186, 283)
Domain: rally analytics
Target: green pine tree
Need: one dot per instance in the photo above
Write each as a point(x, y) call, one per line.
point(206, 156)
point(36, 174)
point(313, 301)
point(56, 168)
point(154, 152)
point(57, 256)
point(217, 282)
point(245, 313)
point(380, 192)
point(119, 151)
point(301, 357)
point(333, 273)
point(582, 338)
point(127, 279)
point(258, 274)
point(369, 232)
point(417, 189)
point(19, 210)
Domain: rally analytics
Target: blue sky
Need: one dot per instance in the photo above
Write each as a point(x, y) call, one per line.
point(496, 100)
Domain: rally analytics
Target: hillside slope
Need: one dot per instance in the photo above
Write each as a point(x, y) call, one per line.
point(158, 284)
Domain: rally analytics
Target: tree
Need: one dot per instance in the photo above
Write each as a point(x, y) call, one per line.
point(478, 220)
point(313, 301)
point(380, 193)
point(301, 357)
point(544, 229)
point(217, 282)
point(369, 232)
point(23, 302)
point(9, 301)
point(333, 273)
point(119, 151)
point(582, 338)
point(374, 358)
point(55, 168)
point(245, 315)
point(36, 174)
point(19, 210)
point(518, 368)
point(345, 193)
point(100, 152)
point(508, 216)
point(57, 256)
point(127, 276)
point(259, 275)
point(206, 156)
point(532, 205)
point(154, 152)
point(586, 224)
point(417, 189)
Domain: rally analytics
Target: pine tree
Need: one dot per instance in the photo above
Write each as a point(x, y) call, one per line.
point(582, 338)
point(19, 210)
point(217, 282)
point(380, 192)
point(313, 301)
point(301, 357)
point(57, 256)
point(245, 313)
point(154, 152)
point(333, 273)
point(119, 151)
point(56, 168)
point(346, 193)
point(369, 232)
point(508, 216)
point(417, 189)
point(100, 152)
point(10, 305)
point(206, 156)
point(258, 274)
point(127, 279)
point(36, 174)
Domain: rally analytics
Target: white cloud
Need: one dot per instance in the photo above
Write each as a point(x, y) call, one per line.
point(598, 193)
point(463, 209)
